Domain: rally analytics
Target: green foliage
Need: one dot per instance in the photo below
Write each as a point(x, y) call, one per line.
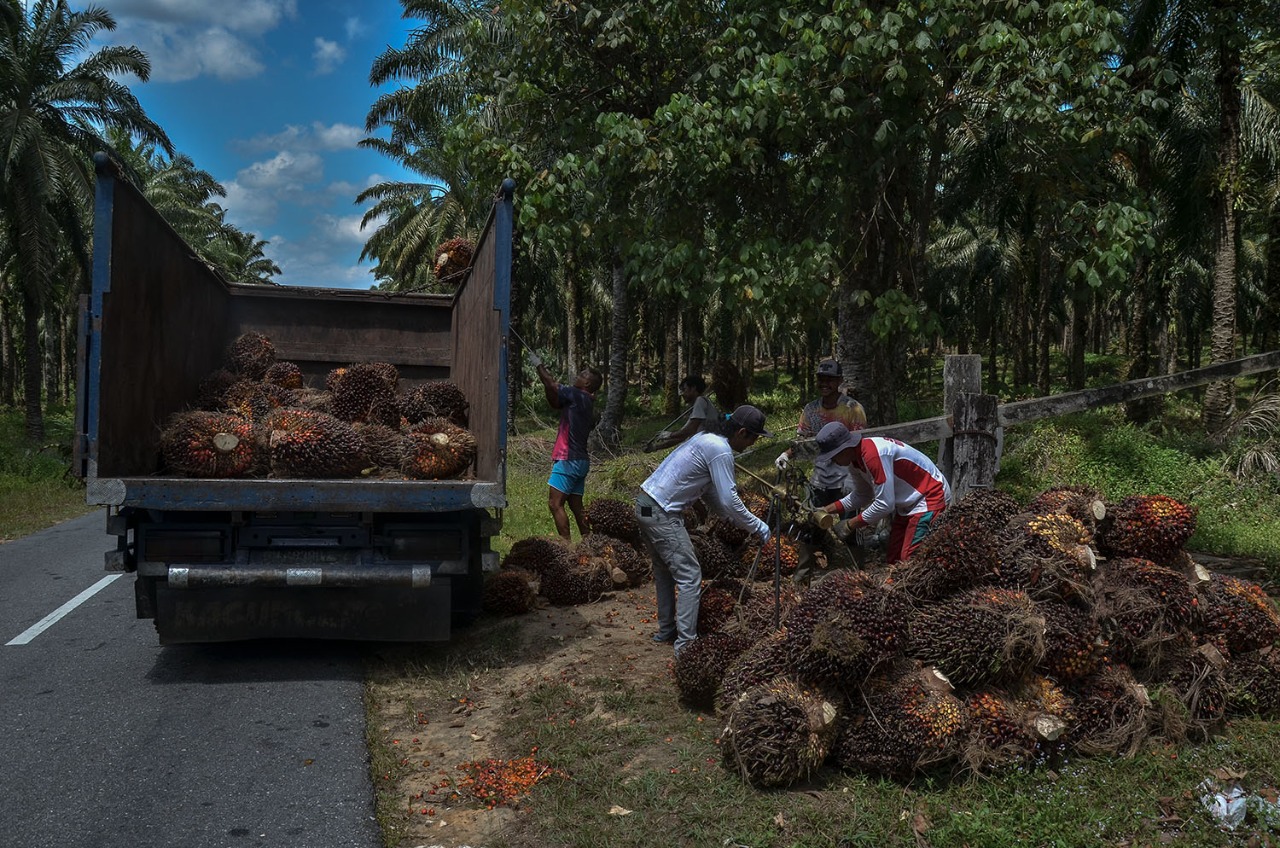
point(1101, 450)
point(36, 488)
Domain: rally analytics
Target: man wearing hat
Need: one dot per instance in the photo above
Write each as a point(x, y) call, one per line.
point(701, 465)
point(890, 478)
point(829, 481)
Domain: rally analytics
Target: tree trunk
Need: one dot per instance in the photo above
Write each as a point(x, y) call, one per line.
point(31, 376)
point(608, 432)
point(1079, 335)
point(1219, 398)
point(671, 364)
point(1044, 329)
point(8, 360)
point(51, 365)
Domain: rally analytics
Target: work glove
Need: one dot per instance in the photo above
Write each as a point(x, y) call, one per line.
point(534, 359)
point(763, 532)
point(783, 460)
point(823, 519)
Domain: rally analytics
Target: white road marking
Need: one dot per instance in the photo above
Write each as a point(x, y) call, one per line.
point(52, 618)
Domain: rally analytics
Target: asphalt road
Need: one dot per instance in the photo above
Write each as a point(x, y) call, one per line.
point(109, 740)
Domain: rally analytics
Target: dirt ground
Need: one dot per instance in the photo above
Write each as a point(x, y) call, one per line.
point(607, 639)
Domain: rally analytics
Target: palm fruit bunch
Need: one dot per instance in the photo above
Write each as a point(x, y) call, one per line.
point(452, 259)
point(999, 730)
point(1111, 710)
point(510, 592)
point(250, 355)
point(1073, 643)
point(254, 400)
point(982, 635)
point(755, 615)
point(365, 392)
point(990, 507)
point(615, 518)
point(598, 551)
point(960, 552)
point(200, 443)
point(436, 449)
point(757, 504)
point(213, 388)
point(583, 580)
point(1189, 692)
point(716, 605)
point(1153, 527)
point(1253, 683)
point(633, 564)
point(782, 547)
point(763, 662)
point(778, 733)
point(537, 554)
point(1048, 708)
point(701, 666)
point(312, 444)
point(715, 558)
point(844, 626)
point(383, 445)
point(1238, 615)
point(728, 532)
point(286, 375)
point(904, 720)
point(1142, 606)
point(1083, 503)
point(435, 399)
point(1047, 555)
point(316, 400)
point(729, 385)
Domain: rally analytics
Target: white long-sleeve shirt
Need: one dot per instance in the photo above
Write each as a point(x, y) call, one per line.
point(703, 462)
point(890, 477)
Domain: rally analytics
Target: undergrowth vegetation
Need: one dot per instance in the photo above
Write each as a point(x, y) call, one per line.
point(36, 485)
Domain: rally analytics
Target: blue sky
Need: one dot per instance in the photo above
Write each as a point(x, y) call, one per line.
point(270, 96)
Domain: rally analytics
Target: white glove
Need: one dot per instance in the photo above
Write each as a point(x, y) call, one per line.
point(783, 460)
point(763, 532)
point(533, 358)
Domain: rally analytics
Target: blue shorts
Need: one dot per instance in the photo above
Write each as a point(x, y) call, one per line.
point(569, 475)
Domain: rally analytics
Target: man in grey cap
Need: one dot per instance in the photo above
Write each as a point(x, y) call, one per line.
point(890, 480)
point(702, 464)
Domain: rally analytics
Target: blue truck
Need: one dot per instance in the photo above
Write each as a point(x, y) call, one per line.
point(232, 559)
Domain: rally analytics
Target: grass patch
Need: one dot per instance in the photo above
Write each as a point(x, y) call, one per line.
point(36, 486)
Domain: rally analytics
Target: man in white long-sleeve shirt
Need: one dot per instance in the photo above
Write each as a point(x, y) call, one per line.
point(702, 464)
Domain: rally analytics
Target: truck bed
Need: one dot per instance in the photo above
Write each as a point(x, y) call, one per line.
point(159, 321)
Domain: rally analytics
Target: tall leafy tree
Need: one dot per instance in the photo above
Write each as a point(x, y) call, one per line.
point(57, 97)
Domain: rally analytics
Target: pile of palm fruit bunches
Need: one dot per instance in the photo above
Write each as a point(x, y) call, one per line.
point(255, 417)
point(1015, 634)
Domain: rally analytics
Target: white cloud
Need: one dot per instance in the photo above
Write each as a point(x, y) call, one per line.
point(319, 136)
point(286, 172)
point(355, 28)
point(346, 228)
point(328, 55)
point(185, 39)
point(249, 208)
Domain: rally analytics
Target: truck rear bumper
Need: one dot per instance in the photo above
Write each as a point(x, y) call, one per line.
point(331, 575)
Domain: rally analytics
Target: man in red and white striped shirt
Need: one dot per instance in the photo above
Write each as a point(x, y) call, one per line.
point(890, 478)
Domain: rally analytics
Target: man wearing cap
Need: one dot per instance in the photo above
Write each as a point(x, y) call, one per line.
point(829, 481)
point(890, 478)
point(701, 465)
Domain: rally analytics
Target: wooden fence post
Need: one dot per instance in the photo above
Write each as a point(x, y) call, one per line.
point(976, 419)
point(960, 373)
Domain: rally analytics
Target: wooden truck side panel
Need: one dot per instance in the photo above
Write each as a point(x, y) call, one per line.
point(160, 321)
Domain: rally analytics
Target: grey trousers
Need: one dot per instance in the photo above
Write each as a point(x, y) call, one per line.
point(675, 566)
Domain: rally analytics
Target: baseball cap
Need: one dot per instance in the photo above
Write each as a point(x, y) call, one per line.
point(830, 368)
point(835, 437)
point(750, 419)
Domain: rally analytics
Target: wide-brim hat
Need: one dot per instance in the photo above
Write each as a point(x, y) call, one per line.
point(835, 437)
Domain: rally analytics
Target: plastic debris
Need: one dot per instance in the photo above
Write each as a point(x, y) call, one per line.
point(1227, 805)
